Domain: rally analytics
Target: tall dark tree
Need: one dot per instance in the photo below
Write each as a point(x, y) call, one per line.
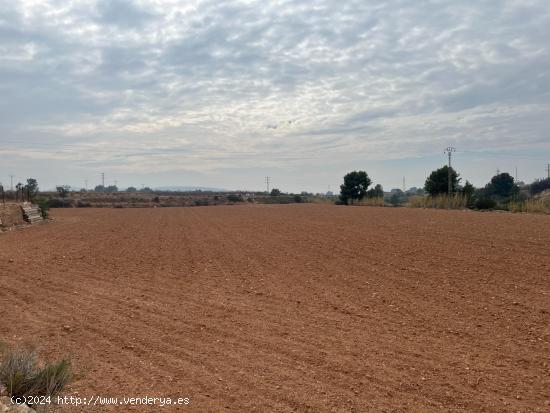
point(438, 181)
point(355, 186)
point(502, 185)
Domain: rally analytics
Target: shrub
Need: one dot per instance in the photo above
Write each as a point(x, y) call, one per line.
point(44, 206)
point(485, 203)
point(58, 203)
point(21, 375)
point(298, 199)
point(540, 185)
point(234, 198)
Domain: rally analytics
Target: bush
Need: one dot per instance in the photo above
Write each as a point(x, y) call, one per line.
point(485, 203)
point(58, 203)
point(21, 376)
point(298, 199)
point(44, 206)
point(540, 185)
point(234, 198)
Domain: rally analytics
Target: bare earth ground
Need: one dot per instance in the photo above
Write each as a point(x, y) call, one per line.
point(289, 308)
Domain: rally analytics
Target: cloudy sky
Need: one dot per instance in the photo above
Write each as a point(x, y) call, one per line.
point(223, 93)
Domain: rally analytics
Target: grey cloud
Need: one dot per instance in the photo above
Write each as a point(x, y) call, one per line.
point(227, 76)
point(123, 13)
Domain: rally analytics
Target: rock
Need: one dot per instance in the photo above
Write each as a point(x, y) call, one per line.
point(6, 406)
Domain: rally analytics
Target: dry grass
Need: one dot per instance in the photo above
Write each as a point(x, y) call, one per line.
point(457, 201)
point(371, 202)
point(538, 206)
point(21, 375)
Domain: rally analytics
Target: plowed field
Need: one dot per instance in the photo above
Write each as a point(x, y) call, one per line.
point(305, 308)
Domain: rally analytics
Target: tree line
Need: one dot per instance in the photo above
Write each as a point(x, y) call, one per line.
point(498, 192)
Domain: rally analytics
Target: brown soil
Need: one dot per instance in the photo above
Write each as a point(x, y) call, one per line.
point(289, 308)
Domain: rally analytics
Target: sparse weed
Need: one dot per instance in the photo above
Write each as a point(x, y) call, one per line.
point(21, 375)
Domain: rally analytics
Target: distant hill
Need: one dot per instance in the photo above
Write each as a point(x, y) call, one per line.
point(188, 189)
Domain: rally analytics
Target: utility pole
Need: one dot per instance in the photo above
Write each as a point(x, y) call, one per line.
point(449, 152)
point(516, 174)
point(267, 180)
point(103, 179)
point(86, 184)
point(11, 182)
point(548, 170)
point(403, 184)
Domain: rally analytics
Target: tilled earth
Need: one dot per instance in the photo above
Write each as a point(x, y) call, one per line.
point(306, 308)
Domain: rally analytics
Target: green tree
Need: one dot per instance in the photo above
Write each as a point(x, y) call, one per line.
point(63, 190)
point(275, 192)
point(469, 193)
point(131, 189)
point(355, 186)
point(376, 192)
point(437, 182)
point(99, 188)
point(32, 188)
point(502, 185)
point(540, 185)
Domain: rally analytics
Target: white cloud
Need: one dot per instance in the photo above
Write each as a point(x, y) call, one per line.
point(267, 83)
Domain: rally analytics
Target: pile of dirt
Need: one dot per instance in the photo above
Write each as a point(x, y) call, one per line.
point(11, 215)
